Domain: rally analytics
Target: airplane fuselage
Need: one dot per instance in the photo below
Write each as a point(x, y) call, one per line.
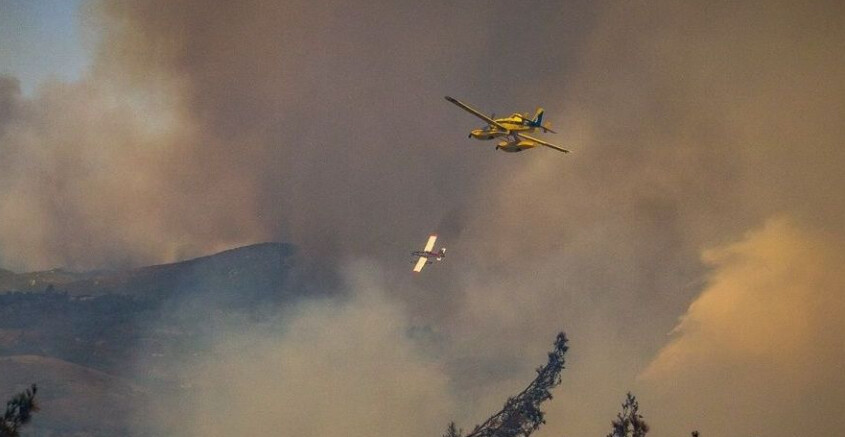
point(515, 123)
point(429, 255)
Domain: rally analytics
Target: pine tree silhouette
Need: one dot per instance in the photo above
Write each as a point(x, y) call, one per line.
point(18, 412)
point(629, 423)
point(521, 414)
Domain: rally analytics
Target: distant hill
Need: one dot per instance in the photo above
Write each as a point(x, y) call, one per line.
point(250, 266)
point(37, 281)
point(79, 335)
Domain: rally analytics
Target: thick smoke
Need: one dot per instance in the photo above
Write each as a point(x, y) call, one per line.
point(760, 350)
point(327, 367)
point(690, 125)
point(209, 124)
point(98, 174)
point(230, 123)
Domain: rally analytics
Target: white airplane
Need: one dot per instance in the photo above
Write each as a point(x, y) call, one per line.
point(510, 129)
point(426, 255)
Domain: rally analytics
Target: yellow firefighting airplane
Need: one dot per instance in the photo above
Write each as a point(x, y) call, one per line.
point(510, 129)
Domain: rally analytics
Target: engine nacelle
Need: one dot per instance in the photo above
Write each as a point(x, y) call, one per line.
point(483, 134)
point(515, 145)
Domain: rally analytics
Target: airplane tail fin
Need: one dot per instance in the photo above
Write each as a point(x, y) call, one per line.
point(538, 117)
point(538, 122)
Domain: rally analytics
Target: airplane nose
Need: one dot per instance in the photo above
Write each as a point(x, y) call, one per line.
point(470, 135)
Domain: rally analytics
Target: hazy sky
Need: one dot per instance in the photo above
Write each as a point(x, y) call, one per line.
point(702, 197)
point(41, 40)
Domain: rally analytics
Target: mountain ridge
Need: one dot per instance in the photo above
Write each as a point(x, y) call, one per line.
point(96, 282)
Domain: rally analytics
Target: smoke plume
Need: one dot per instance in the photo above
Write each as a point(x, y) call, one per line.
point(335, 366)
point(760, 350)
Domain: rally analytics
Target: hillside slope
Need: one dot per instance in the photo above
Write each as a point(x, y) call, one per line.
point(101, 344)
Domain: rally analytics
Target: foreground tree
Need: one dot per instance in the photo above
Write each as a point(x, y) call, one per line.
point(521, 414)
point(453, 431)
point(18, 412)
point(629, 423)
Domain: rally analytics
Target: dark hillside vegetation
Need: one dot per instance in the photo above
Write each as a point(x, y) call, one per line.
point(79, 336)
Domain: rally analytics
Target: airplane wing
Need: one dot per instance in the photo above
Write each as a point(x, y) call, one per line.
point(538, 141)
point(430, 244)
point(476, 113)
point(420, 264)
